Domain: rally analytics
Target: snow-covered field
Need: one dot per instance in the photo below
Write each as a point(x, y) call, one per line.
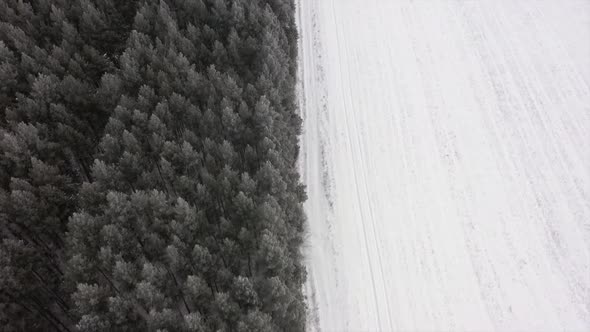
point(446, 152)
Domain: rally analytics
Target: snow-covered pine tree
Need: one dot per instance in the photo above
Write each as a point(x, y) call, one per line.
point(193, 220)
point(52, 57)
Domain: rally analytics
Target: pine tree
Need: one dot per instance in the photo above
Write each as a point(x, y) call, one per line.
point(53, 55)
point(148, 179)
point(192, 220)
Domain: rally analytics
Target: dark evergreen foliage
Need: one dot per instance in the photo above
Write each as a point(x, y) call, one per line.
point(166, 133)
point(193, 219)
point(52, 57)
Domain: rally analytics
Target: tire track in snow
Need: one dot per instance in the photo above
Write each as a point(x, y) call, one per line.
point(356, 151)
point(364, 199)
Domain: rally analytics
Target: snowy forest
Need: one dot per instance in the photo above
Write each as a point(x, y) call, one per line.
point(148, 176)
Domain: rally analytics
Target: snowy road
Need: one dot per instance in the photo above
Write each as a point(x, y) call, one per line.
point(446, 150)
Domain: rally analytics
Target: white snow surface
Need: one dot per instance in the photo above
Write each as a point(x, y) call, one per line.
point(446, 152)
